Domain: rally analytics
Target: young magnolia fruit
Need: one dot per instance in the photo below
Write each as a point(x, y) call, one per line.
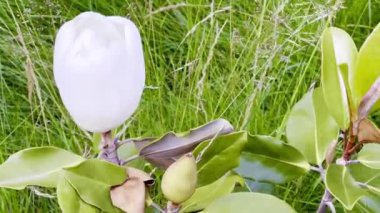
point(99, 70)
point(180, 179)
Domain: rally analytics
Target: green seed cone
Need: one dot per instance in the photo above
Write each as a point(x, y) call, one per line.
point(180, 179)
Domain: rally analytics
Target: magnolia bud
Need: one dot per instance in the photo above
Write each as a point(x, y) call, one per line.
point(99, 70)
point(180, 179)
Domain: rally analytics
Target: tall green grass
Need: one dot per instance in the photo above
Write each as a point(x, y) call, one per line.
point(247, 61)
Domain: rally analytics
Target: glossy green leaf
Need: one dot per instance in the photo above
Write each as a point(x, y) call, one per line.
point(370, 155)
point(367, 176)
point(248, 202)
point(204, 195)
point(367, 204)
point(69, 200)
point(362, 173)
point(338, 49)
point(310, 128)
point(370, 177)
point(343, 186)
point(267, 159)
point(38, 166)
point(92, 179)
point(127, 151)
point(368, 66)
point(218, 156)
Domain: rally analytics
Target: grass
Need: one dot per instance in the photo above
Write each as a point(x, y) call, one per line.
point(246, 61)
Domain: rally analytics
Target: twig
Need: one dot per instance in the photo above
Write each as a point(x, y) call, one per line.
point(326, 202)
point(108, 148)
point(331, 206)
point(327, 199)
point(350, 142)
point(342, 162)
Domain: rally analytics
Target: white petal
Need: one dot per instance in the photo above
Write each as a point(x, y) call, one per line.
point(100, 76)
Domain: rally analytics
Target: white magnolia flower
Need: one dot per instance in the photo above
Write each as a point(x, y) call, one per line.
point(99, 70)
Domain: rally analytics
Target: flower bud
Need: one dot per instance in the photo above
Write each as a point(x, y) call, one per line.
point(99, 70)
point(180, 179)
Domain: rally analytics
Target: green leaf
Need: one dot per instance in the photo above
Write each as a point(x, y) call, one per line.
point(127, 151)
point(261, 187)
point(96, 139)
point(38, 166)
point(368, 66)
point(370, 155)
point(367, 176)
point(310, 128)
point(218, 156)
point(367, 204)
point(92, 179)
point(69, 200)
point(267, 159)
point(362, 173)
point(371, 178)
point(339, 55)
point(204, 195)
point(248, 202)
point(343, 186)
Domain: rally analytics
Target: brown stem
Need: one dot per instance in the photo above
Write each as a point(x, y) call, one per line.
point(108, 148)
point(358, 145)
point(350, 143)
point(355, 148)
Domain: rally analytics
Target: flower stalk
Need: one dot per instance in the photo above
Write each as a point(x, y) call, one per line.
point(172, 207)
point(108, 148)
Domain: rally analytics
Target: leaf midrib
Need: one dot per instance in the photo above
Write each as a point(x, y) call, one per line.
point(282, 161)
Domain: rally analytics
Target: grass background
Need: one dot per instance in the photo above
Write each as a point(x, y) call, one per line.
point(247, 61)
